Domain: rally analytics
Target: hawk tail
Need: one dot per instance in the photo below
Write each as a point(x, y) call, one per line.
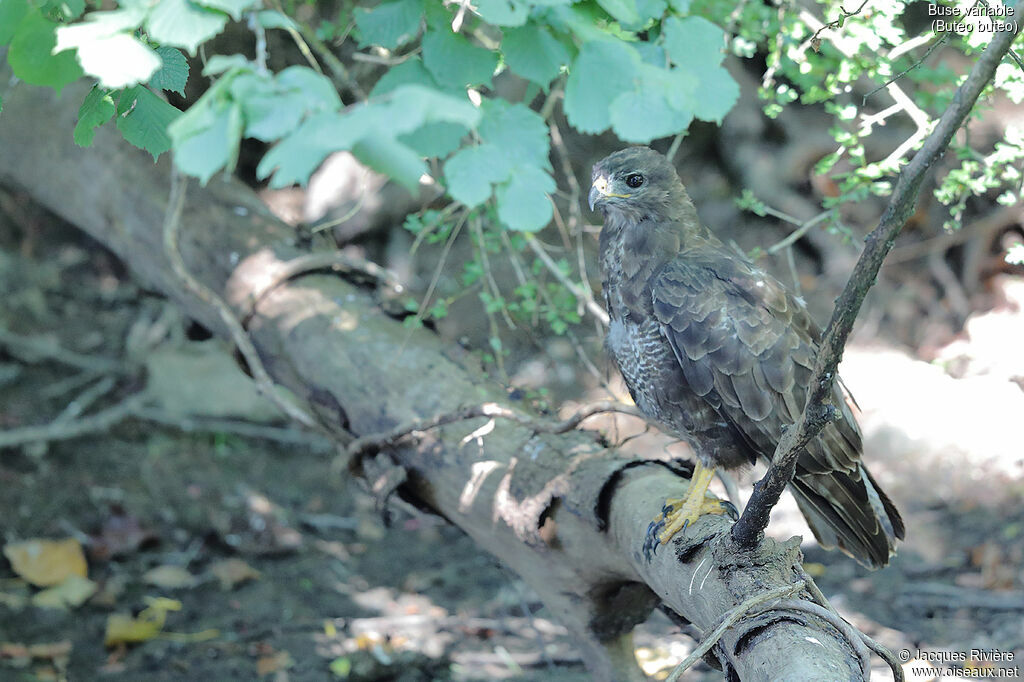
point(851, 512)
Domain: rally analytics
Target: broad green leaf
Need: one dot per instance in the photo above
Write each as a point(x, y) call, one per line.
point(650, 9)
point(408, 107)
point(275, 107)
point(389, 24)
point(98, 25)
point(471, 172)
point(437, 138)
point(603, 70)
point(503, 12)
point(294, 158)
point(392, 158)
point(693, 42)
point(173, 72)
point(182, 23)
point(532, 52)
point(11, 14)
point(219, 63)
point(269, 113)
point(235, 8)
point(97, 108)
point(453, 60)
point(622, 10)
point(410, 72)
point(644, 115)
point(523, 202)
point(718, 93)
point(517, 130)
point(269, 18)
point(207, 142)
point(118, 61)
point(315, 87)
point(142, 118)
point(30, 54)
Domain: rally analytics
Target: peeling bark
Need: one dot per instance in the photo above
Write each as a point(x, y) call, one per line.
point(565, 513)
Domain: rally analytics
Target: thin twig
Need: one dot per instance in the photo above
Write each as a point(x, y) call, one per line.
point(82, 403)
point(101, 421)
point(373, 443)
point(313, 262)
point(36, 348)
point(588, 299)
point(728, 620)
point(799, 232)
point(904, 72)
point(172, 223)
point(832, 617)
point(880, 649)
point(818, 413)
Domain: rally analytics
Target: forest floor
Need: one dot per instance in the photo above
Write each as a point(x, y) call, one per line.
point(233, 556)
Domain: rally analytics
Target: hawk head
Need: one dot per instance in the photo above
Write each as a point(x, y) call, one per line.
point(638, 183)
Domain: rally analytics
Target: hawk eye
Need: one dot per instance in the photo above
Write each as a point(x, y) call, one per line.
point(634, 180)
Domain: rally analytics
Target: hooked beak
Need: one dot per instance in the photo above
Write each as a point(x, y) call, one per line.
point(595, 194)
point(599, 191)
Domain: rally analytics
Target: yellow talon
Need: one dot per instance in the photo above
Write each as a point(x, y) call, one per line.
point(678, 513)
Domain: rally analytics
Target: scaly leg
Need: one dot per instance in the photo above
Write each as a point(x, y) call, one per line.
point(680, 512)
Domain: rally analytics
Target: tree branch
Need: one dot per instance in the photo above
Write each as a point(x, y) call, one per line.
point(818, 413)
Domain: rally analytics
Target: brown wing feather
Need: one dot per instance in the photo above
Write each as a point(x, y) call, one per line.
point(747, 348)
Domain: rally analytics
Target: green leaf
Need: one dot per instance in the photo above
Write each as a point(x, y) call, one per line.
point(408, 107)
point(270, 18)
point(173, 74)
point(392, 158)
point(696, 46)
point(219, 63)
point(523, 202)
point(30, 54)
point(645, 115)
point(410, 72)
point(315, 87)
point(118, 61)
point(453, 60)
point(471, 172)
point(235, 8)
point(389, 24)
point(11, 14)
point(718, 93)
point(519, 132)
point(275, 107)
point(207, 140)
point(98, 25)
point(503, 12)
point(97, 108)
point(602, 71)
point(533, 53)
point(623, 10)
point(693, 42)
point(438, 138)
point(294, 158)
point(142, 118)
point(650, 9)
point(181, 23)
